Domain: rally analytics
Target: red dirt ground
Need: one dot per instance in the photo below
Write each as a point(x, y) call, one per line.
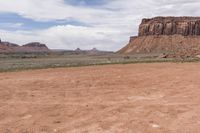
point(136, 98)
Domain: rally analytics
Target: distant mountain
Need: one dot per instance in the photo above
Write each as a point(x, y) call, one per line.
point(93, 51)
point(34, 47)
point(7, 47)
point(79, 51)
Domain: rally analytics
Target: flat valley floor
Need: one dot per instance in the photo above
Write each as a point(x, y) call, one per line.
point(133, 98)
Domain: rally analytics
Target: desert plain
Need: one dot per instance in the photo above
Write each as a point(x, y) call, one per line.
point(131, 98)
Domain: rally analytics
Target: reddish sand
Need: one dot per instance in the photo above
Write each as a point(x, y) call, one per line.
point(136, 98)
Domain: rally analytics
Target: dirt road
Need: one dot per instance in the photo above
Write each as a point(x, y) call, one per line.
point(136, 98)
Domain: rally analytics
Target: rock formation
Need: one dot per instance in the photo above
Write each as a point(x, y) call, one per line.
point(7, 47)
point(177, 35)
point(186, 26)
point(35, 47)
point(93, 51)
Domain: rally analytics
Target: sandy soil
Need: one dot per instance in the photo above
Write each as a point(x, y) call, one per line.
point(137, 98)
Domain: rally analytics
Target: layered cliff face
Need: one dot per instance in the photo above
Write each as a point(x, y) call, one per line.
point(170, 25)
point(166, 35)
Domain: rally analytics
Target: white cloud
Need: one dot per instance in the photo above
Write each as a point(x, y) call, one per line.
point(45, 10)
point(71, 36)
point(111, 23)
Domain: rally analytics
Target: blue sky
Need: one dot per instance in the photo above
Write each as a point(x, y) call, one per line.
point(68, 24)
point(30, 24)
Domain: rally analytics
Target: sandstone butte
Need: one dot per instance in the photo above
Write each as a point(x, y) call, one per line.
point(7, 47)
point(169, 35)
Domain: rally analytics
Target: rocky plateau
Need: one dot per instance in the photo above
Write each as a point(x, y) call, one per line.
point(7, 47)
point(179, 36)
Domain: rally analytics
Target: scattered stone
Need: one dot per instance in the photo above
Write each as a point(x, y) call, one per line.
point(155, 126)
point(27, 117)
point(163, 55)
point(197, 56)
